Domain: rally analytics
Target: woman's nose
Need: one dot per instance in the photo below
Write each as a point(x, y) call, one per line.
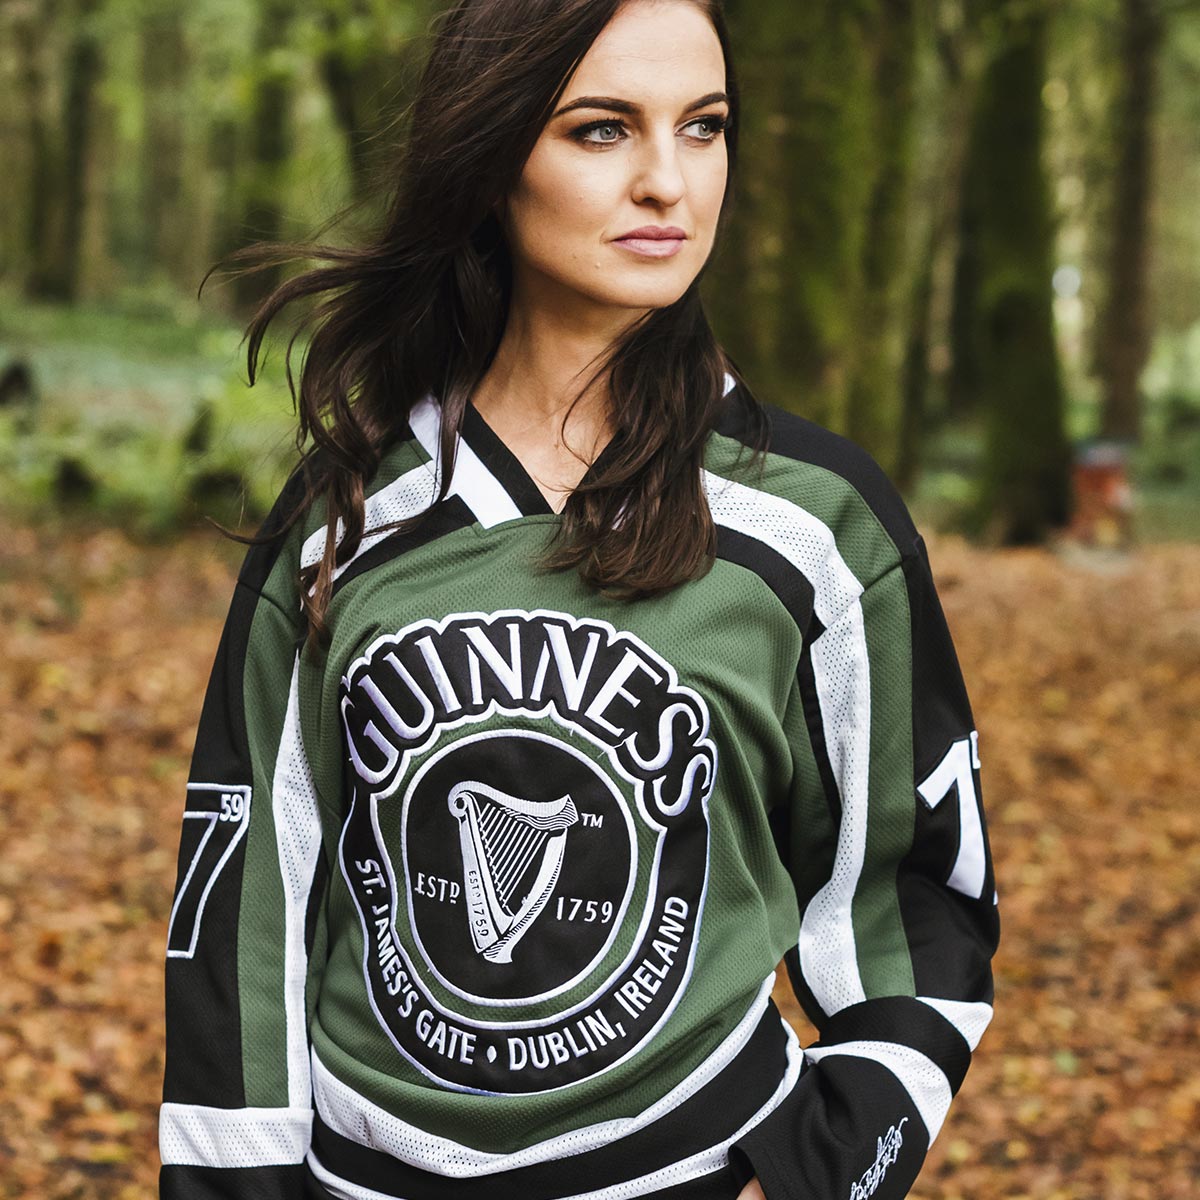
point(659, 175)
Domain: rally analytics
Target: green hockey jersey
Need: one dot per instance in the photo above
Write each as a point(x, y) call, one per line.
point(487, 899)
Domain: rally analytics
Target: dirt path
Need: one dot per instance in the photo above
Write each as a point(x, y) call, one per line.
point(1085, 680)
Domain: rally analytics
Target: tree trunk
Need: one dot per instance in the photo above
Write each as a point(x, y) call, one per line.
point(875, 383)
point(946, 113)
point(98, 272)
point(730, 295)
point(1124, 327)
point(270, 148)
point(342, 74)
point(16, 150)
point(914, 379)
point(84, 67)
point(966, 371)
point(369, 66)
point(166, 235)
point(1026, 479)
point(964, 321)
point(802, 218)
point(46, 277)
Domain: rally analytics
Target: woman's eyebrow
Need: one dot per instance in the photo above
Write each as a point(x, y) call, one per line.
point(611, 104)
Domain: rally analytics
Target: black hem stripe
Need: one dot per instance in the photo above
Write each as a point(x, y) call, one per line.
point(708, 1116)
point(721, 1184)
point(177, 1182)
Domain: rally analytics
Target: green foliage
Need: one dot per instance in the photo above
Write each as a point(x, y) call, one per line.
point(1167, 465)
point(143, 409)
point(141, 420)
point(1171, 385)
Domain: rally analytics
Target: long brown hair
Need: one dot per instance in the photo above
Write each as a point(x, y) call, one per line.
point(421, 307)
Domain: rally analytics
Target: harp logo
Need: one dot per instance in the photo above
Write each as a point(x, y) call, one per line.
point(506, 833)
point(518, 859)
point(526, 843)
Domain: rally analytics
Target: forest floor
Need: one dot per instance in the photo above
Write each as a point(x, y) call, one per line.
point(1084, 674)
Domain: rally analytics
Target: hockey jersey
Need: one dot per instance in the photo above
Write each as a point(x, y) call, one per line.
point(487, 899)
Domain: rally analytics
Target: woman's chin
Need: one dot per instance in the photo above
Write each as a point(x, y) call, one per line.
point(640, 295)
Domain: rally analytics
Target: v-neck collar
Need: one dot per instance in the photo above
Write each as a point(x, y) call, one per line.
point(488, 476)
point(508, 469)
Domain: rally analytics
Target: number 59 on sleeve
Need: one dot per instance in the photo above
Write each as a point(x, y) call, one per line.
point(215, 819)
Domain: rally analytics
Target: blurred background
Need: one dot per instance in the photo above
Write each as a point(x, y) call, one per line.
point(967, 234)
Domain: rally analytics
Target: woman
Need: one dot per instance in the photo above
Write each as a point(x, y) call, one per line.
point(567, 691)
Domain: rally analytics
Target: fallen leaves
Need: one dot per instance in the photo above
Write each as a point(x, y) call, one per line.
point(107, 647)
point(1086, 688)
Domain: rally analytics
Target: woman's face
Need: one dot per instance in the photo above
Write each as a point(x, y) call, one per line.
point(635, 141)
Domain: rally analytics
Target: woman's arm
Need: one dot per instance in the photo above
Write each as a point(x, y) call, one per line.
point(241, 961)
point(888, 850)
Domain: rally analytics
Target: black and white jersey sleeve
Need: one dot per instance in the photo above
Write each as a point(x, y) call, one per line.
point(246, 930)
point(884, 837)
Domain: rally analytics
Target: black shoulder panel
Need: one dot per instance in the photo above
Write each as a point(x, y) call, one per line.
point(798, 438)
point(260, 558)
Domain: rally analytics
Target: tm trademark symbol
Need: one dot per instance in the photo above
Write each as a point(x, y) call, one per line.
point(593, 820)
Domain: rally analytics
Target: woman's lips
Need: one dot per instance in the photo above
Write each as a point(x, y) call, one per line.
point(653, 247)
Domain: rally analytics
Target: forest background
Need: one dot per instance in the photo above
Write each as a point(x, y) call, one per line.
point(967, 235)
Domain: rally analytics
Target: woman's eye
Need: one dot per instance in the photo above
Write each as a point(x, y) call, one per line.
point(716, 124)
point(582, 134)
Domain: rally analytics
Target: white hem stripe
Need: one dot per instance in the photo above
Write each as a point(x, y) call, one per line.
point(358, 1119)
point(703, 1163)
point(193, 1135)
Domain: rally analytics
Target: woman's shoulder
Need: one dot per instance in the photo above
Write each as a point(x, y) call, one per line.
point(807, 474)
point(272, 553)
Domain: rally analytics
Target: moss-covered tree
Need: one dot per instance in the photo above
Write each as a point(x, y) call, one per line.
point(875, 383)
point(1123, 331)
point(270, 144)
point(781, 292)
point(1025, 485)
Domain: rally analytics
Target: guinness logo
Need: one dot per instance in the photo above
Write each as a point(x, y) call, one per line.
point(527, 843)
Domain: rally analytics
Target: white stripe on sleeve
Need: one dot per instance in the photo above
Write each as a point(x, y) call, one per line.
point(920, 1076)
point(828, 957)
point(969, 1018)
point(298, 839)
